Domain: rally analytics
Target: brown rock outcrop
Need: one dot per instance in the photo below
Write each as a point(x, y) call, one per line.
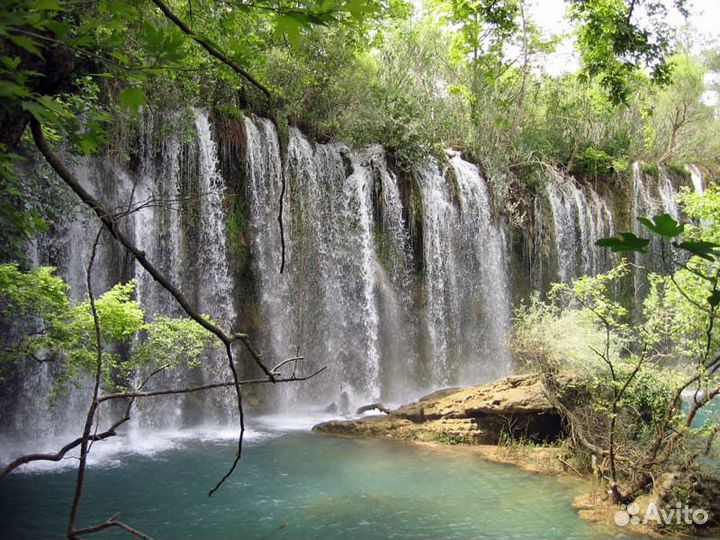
point(515, 406)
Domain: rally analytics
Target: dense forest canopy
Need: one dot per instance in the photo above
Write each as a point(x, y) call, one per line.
point(413, 77)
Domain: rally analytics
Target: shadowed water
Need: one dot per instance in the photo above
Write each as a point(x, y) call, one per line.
point(299, 485)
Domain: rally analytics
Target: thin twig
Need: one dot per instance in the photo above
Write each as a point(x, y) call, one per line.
point(203, 387)
point(92, 409)
point(282, 227)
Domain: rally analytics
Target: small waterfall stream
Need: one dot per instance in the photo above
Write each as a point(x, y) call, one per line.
point(651, 197)
point(696, 178)
point(579, 220)
point(442, 303)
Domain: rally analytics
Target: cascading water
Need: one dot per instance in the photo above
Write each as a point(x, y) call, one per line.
point(24, 399)
point(484, 285)
point(157, 195)
point(389, 314)
point(667, 194)
point(467, 306)
point(442, 303)
point(214, 283)
point(173, 204)
point(264, 186)
point(697, 178)
point(579, 221)
point(348, 297)
point(651, 197)
point(168, 231)
point(399, 331)
point(324, 306)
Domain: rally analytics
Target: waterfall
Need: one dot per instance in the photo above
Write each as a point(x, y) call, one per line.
point(389, 314)
point(442, 304)
point(264, 179)
point(486, 310)
point(667, 194)
point(579, 221)
point(696, 177)
point(651, 197)
point(325, 305)
point(158, 232)
point(173, 199)
point(348, 297)
point(467, 306)
point(399, 332)
point(175, 179)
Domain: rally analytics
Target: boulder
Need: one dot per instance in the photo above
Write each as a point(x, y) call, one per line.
point(515, 406)
point(373, 407)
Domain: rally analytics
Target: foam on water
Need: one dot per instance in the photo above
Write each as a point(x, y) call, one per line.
point(115, 451)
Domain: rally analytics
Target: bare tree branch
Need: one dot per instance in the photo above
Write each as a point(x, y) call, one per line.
point(203, 387)
point(111, 522)
point(90, 418)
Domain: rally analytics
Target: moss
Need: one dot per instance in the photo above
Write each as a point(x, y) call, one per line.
point(447, 437)
point(454, 182)
point(382, 247)
point(678, 169)
point(183, 127)
point(229, 112)
point(410, 435)
point(651, 169)
point(237, 224)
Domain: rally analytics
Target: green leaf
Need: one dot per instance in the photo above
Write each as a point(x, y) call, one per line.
point(290, 27)
point(663, 225)
point(120, 57)
point(24, 42)
point(40, 112)
point(626, 243)
point(706, 250)
point(60, 29)
point(87, 145)
point(132, 98)
point(45, 5)
point(358, 8)
point(328, 5)
point(9, 89)
point(11, 63)
point(153, 36)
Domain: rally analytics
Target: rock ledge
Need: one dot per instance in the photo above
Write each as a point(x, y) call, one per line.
point(515, 405)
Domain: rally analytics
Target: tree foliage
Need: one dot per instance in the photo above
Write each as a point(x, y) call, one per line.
point(616, 41)
point(47, 327)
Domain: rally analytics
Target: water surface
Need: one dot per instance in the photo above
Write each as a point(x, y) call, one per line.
point(301, 485)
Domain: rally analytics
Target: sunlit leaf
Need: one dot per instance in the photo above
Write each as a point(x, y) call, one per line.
point(663, 225)
point(132, 98)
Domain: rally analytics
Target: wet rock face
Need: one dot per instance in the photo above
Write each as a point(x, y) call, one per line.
point(514, 406)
